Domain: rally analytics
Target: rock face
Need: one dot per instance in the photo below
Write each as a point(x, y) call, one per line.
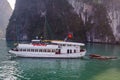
point(5, 13)
point(89, 20)
point(103, 15)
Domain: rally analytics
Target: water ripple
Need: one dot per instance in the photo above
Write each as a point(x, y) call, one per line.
point(10, 71)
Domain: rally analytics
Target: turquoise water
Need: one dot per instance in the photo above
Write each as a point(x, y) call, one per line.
point(61, 69)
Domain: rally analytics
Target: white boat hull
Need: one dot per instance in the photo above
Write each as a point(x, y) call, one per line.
point(39, 55)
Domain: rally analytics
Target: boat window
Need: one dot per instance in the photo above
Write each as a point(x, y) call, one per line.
point(70, 51)
point(58, 51)
point(43, 50)
point(53, 50)
point(36, 50)
point(68, 45)
point(59, 46)
point(49, 50)
point(28, 49)
point(74, 45)
point(24, 49)
point(74, 51)
point(20, 49)
point(40, 50)
point(32, 50)
point(63, 44)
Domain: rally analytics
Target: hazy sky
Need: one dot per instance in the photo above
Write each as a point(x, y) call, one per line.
point(12, 3)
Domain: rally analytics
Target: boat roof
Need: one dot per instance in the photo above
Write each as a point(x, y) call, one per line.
point(68, 43)
point(35, 40)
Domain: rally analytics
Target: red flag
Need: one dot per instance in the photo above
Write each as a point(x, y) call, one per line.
point(70, 35)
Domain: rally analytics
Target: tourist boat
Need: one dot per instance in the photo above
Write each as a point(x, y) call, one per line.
point(49, 49)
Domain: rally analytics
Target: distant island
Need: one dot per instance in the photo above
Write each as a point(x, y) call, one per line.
point(5, 13)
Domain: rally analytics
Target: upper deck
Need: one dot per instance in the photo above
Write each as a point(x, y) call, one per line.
point(37, 46)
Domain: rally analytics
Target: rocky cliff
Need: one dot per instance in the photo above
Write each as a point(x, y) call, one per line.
point(5, 13)
point(89, 20)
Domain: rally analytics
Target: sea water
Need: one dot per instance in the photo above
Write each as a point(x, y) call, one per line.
point(61, 69)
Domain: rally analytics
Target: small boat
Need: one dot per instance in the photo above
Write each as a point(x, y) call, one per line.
point(100, 57)
point(49, 49)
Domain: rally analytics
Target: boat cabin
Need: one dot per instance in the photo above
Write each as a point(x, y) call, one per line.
point(68, 47)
